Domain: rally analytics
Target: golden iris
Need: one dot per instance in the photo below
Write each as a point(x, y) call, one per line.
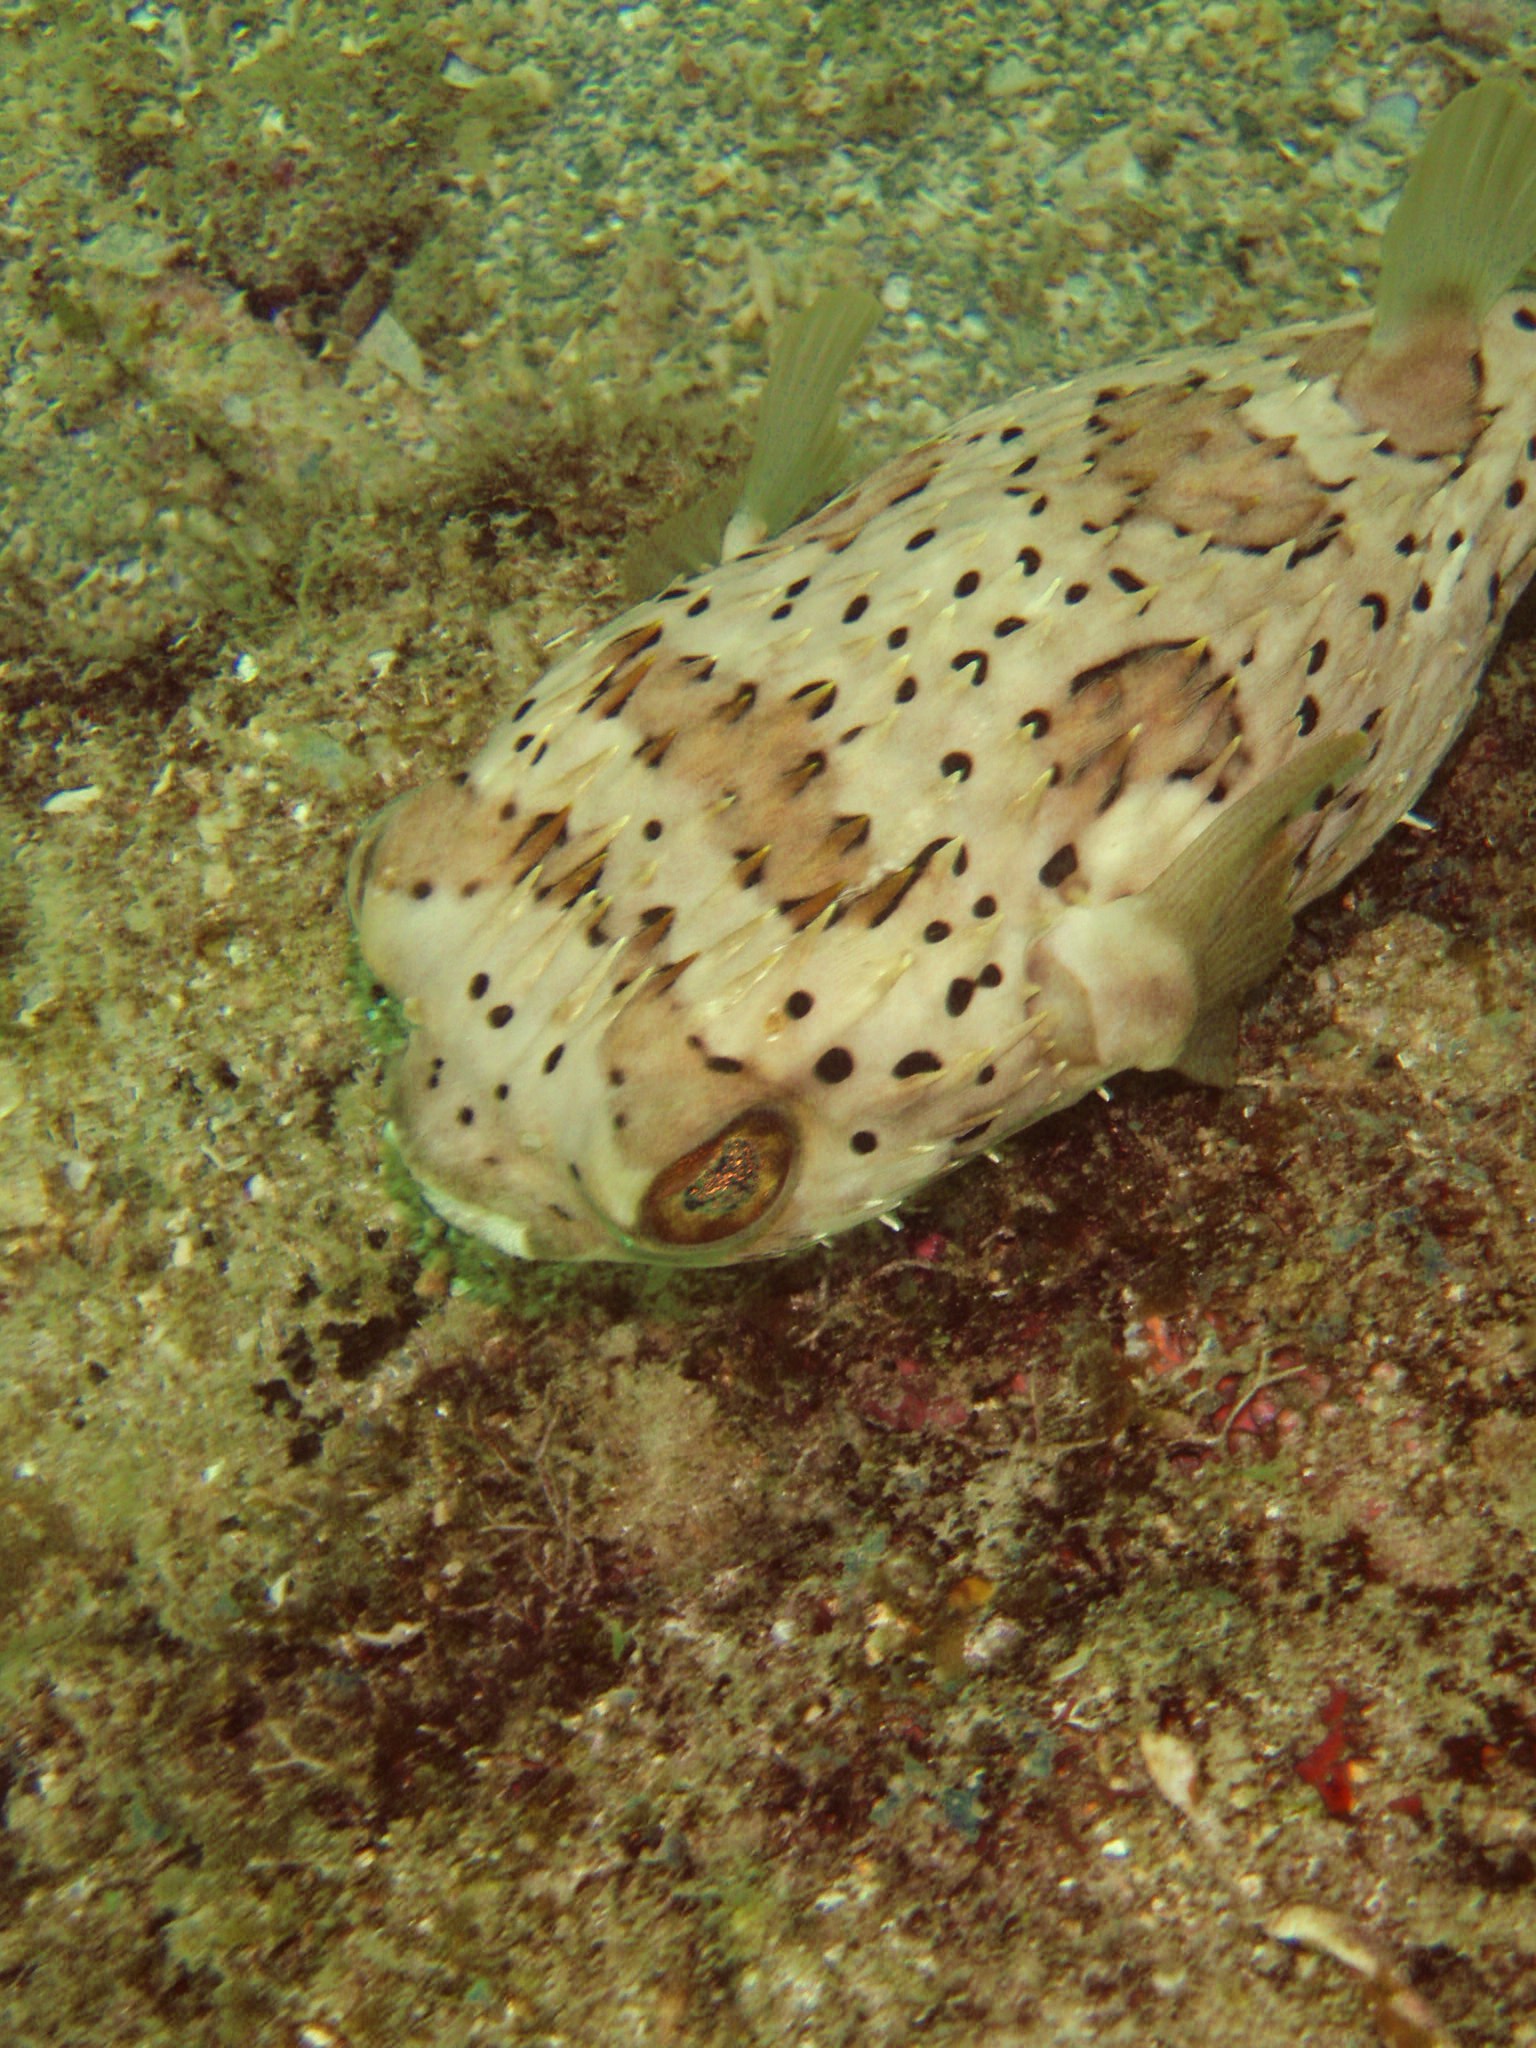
point(724, 1185)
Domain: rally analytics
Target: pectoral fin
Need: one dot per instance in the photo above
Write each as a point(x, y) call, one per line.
point(1224, 900)
point(1152, 981)
point(1209, 1054)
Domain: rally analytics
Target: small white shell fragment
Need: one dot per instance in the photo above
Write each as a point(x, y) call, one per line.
point(1172, 1766)
point(458, 71)
point(67, 803)
point(1315, 1928)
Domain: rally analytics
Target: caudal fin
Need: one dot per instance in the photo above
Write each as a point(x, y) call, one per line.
point(1465, 225)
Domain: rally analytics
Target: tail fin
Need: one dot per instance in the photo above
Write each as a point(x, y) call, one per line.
point(1465, 225)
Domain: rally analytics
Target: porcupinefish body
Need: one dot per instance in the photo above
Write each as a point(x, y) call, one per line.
point(838, 862)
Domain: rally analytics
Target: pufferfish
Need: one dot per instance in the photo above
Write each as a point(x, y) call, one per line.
point(894, 831)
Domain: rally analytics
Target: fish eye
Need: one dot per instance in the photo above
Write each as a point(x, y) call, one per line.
point(724, 1185)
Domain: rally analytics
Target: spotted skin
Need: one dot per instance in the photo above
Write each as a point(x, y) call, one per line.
point(734, 933)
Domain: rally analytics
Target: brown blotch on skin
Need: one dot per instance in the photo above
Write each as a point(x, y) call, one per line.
point(690, 738)
point(1425, 391)
point(1190, 457)
point(1163, 704)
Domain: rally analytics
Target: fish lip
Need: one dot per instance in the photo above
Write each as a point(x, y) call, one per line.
point(503, 1233)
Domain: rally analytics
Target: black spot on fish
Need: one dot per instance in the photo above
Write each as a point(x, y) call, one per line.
point(957, 764)
point(957, 997)
point(991, 976)
point(984, 906)
point(1036, 723)
point(921, 538)
point(855, 609)
point(1423, 598)
point(1062, 863)
point(1306, 716)
point(466, 1115)
point(835, 1064)
point(863, 1142)
point(1514, 495)
point(798, 1003)
point(1126, 580)
point(553, 1058)
point(822, 688)
point(421, 891)
point(1525, 319)
point(1306, 549)
point(499, 1017)
point(936, 932)
point(478, 987)
point(912, 1063)
point(1012, 624)
point(906, 689)
point(897, 637)
point(975, 1131)
point(1317, 654)
point(1076, 592)
point(1376, 604)
point(1029, 560)
point(968, 583)
point(976, 661)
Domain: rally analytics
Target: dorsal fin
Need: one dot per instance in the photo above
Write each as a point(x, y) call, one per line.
point(797, 450)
